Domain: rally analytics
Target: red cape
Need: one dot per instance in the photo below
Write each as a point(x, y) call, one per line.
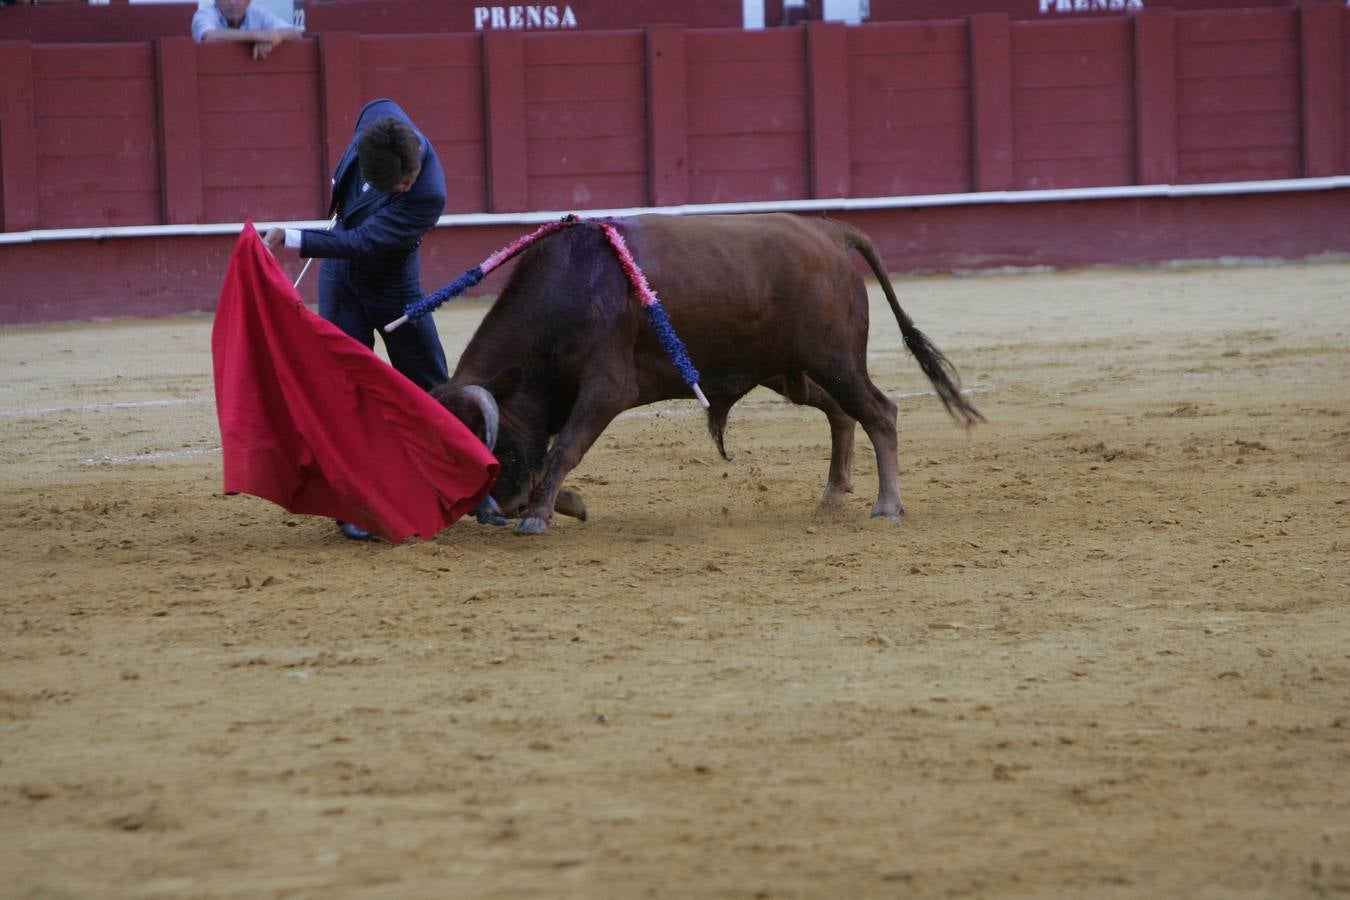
point(313, 421)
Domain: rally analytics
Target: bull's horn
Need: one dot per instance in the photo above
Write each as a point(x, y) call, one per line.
point(488, 406)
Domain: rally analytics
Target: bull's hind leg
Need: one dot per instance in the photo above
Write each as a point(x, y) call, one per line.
point(799, 388)
point(858, 397)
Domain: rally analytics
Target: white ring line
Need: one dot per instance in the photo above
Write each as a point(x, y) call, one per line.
point(96, 407)
point(174, 454)
point(689, 411)
point(148, 457)
point(137, 404)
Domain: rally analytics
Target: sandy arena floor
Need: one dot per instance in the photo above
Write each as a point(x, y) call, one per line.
point(1107, 655)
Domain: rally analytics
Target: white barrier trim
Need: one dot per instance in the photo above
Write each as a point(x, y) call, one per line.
point(1122, 192)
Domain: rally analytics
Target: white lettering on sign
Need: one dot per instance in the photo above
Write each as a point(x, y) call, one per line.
point(1078, 6)
point(533, 16)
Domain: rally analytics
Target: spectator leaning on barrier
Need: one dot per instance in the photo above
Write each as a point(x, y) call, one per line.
point(240, 21)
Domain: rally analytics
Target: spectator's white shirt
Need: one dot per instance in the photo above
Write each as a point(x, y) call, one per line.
point(255, 18)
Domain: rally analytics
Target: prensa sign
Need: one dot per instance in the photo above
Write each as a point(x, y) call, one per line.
point(527, 16)
point(1081, 6)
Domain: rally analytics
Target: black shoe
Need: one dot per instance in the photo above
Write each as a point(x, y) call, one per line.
point(488, 513)
point(354, 533)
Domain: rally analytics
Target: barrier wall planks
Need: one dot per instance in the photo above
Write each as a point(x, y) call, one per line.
point(1238, 95)
point(909, 109)
point(425, 16)
point(1042, 10)
point(1322, 85)
point(1072, 104)
point(95, 137)
point(84, 23)
point(262, 135)
point(1343, 22)
point(175, 133)
point(585, 121)
point(747, 100)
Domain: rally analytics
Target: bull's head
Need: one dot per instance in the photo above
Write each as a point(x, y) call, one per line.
point(485, 409)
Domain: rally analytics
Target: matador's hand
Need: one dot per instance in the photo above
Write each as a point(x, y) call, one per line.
point(274, 239)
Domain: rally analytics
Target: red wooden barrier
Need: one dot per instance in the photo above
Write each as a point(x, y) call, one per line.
point(991, 94)
point(1155, 97)
point(1043, 10)
point(504, 86)
point(122, 22)
point(585, 121)
point(178, 133)
point(827, 79)
point(80, 23)
point(1323, 89)
point(18, 146)
point(747, 116)
point(429, 16)
point(667, 116)
point(95, 134)
point(1072, 104)
point(1238, 95)
point(909, 115)
point(175, 133)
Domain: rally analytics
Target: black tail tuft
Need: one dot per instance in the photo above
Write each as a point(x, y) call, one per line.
point(717, 426)
point(941, 373)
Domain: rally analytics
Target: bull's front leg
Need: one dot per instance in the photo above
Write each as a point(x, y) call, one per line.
point(589, 418)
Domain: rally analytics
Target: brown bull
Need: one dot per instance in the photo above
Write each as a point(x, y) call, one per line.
point(770, 300)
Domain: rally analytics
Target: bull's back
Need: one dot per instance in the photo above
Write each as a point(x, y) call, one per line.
point(751, 296)
point(751, 277)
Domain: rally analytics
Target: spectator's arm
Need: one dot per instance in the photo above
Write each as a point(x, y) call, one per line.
point(251, 36)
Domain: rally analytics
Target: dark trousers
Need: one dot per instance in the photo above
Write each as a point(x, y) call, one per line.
point(414, 348)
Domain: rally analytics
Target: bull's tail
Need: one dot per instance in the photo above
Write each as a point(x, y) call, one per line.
point(940, 371)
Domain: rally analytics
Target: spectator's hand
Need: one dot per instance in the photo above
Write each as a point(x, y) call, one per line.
point(262, 48)
point(274, 239)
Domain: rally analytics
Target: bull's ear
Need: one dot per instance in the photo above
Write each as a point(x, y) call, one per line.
point(505, 383)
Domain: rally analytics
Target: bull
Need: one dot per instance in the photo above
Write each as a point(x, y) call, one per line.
point(759, 300)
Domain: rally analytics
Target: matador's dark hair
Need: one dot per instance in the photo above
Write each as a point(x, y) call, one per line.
point(387, 151)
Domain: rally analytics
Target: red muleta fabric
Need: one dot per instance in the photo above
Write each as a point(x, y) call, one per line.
point(313, 421)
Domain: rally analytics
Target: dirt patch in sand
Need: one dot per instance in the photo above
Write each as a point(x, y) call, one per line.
point(1108, 653)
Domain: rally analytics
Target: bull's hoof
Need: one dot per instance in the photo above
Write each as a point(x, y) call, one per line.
point(530, 525)
point(488, 513)
point(831, 507)
point(895, 517)
point(569, 503)
point(354, 532)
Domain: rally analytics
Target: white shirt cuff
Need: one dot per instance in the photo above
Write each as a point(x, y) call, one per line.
point(293, 238)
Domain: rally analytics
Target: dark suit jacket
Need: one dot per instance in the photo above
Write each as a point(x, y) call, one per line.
point(378, 232)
